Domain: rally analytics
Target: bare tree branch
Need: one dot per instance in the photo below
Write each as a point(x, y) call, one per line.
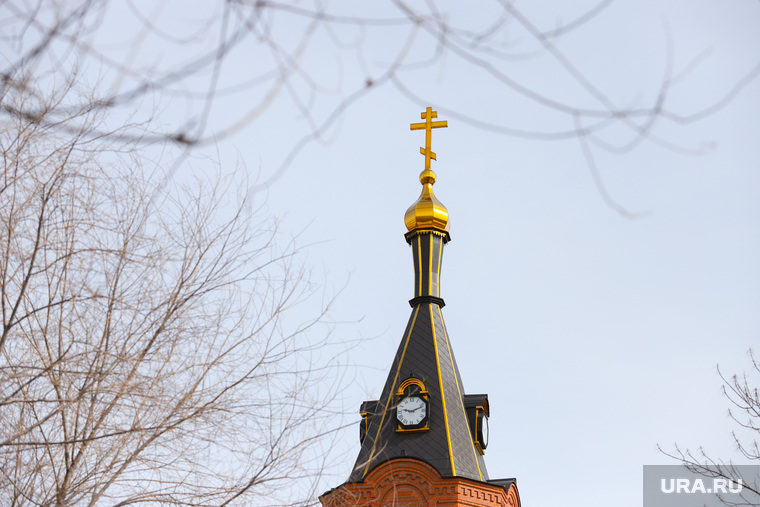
point(744, 395)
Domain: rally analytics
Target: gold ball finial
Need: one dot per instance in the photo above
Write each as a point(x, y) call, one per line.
point(427, 176)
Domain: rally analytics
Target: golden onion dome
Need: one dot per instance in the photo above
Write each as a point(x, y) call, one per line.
point(427, 212)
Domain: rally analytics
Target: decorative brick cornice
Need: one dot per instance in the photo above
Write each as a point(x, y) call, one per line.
point(406, 482)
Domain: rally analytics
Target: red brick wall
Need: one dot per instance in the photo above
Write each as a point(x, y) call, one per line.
point(406, 482)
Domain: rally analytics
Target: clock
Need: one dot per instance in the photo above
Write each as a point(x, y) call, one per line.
point(411, 411)
point(483, 430)
point(477, 409)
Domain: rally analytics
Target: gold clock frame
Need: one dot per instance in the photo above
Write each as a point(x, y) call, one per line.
point(423, 393)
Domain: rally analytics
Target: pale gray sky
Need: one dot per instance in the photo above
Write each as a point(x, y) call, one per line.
point(595, 335)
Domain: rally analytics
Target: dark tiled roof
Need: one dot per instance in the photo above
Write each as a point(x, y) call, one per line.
point(425, 353)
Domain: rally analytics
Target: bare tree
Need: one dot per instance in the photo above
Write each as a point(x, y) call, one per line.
point(144, 357)
point(194, 74)
point(744, 395)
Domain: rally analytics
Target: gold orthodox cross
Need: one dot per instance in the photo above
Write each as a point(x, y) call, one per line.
point(428, 125)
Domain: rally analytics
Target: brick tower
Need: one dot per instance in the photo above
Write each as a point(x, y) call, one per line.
point(423, 441)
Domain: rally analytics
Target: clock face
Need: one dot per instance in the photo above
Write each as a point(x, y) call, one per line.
point(411, 411)
point(484, 432)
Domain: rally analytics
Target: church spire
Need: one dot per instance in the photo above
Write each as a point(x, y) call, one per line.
point(423, 440)
point(427, 223)
point(423, 411)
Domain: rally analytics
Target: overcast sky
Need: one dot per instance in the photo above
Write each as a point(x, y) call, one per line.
point(596, 335)
point(590, 292)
